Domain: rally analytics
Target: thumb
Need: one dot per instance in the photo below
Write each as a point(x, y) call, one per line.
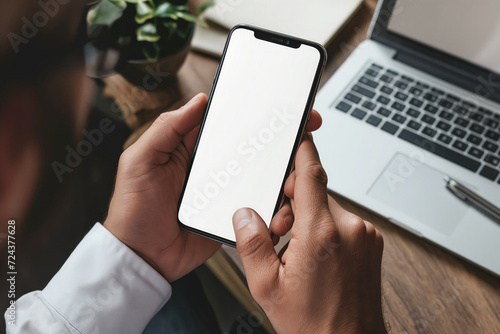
point(168, 130)
point(256, 250)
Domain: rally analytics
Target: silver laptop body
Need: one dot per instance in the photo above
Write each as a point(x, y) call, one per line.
point(439, 73)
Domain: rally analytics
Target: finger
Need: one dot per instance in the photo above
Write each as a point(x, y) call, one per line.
point(275, 239)
point(290, 185)
point(314, 122)
point(282, 220)
point(169, 129)
point(310, 193)
point(256, 251)
point(190, 139)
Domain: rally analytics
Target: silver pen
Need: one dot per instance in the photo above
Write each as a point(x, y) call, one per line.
point(474, 199)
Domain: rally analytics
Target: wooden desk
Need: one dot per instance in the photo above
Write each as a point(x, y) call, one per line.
point(425, 289)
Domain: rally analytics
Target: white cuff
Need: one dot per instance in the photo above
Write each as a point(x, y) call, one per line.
point(105, 287)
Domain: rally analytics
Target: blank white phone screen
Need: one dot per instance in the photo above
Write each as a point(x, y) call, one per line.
point(249, 132)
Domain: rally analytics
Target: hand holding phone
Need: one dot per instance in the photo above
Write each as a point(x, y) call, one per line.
point(257, 112)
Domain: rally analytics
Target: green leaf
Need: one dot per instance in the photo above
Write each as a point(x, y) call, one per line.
point(105, 13)
point(204, 6)
point(166, 9)
point(119, 3)
point(190, 18)
point(147, 32)
point(144, 12)
point(151, 51)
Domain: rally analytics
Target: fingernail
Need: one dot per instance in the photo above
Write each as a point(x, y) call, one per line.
point(192, 101)
point(242, 217)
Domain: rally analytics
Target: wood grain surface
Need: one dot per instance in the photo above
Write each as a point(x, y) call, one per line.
point(425, 289)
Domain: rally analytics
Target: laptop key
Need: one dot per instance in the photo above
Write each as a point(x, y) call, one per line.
point(446, 115)
point(398, 106)
point(430, 108)
point(495, 136)
point(390, 127)
point(363, 91)
point(460, 145)
point(477, 128)
point(387, 90)
point(458, 132)
point(476, 117)
point(428, 119)
point(374, 120)
point(369, 105)
point(416, 102)
point(445, 103)
point(352, 98)
point(429, 131)
point(343, 106)
point(460, 110)
point(440, 150)
point(368, 82)
point(489, 173)
point(407, 78)
point(383, 111)
point(444, 138)
point(386, 78)
point(443, 126)
point(399, 118)
point(452, 97)
point(468, 104)
point(413, 112)
point(358, 113)
point(492, 160)
point(437, 91)
point(401, 84)
point(417, 91)
point(462, 122)
point(377, 66)
point(383, 99)
point(401, 96)
point(491, 123)
point(474, 139)
point(371, 72)
point(490, 146)
point(430, 97)
point(414, 125)
point(475, 152)
point(392, 72)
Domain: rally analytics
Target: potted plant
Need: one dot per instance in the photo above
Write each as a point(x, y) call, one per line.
point(132, 35)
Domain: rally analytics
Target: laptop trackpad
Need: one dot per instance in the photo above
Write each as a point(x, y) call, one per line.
point(420, 192)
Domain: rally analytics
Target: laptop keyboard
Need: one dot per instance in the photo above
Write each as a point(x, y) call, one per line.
point(455, 129)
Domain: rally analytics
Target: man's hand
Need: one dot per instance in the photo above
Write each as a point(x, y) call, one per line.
point(151, 174)
point(328, 279)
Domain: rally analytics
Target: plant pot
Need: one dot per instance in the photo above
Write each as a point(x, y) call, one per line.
point(153, 75)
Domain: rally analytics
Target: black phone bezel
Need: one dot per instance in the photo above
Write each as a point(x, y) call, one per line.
point(272, 37)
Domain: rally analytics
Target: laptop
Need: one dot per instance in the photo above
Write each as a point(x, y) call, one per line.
point(417, 101)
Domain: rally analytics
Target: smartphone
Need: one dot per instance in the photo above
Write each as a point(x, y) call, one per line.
point(257, 111)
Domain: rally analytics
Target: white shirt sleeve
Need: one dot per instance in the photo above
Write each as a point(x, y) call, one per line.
point(104, 287)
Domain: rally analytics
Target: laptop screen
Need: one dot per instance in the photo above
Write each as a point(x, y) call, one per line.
point(469, 30)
